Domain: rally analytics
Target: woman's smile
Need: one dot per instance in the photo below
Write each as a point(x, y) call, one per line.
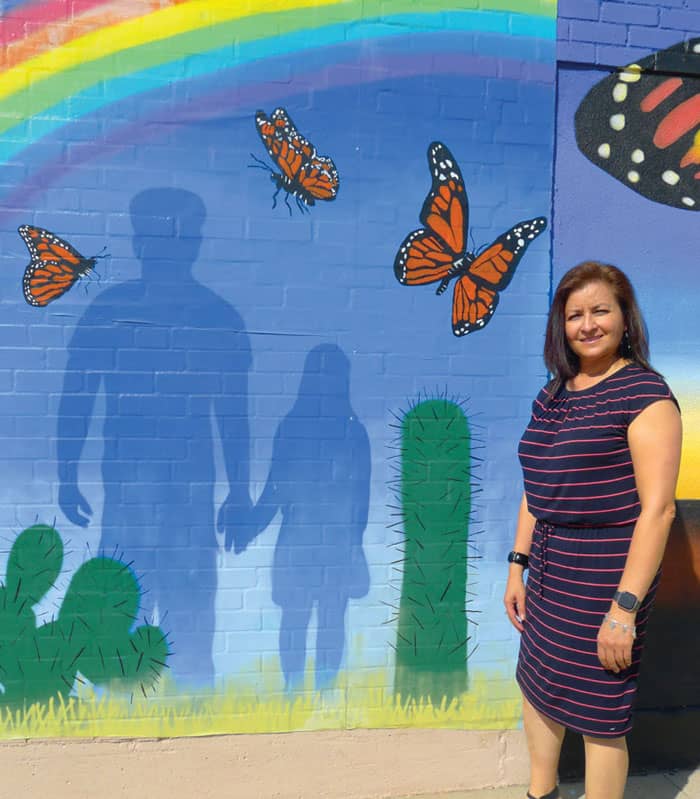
point(594, 326)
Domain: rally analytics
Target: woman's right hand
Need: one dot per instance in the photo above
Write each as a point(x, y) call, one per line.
point(514, 597)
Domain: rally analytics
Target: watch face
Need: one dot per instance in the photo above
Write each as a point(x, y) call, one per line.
point(627, 600)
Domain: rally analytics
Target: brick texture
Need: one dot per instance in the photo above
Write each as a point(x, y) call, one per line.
point(611, 33)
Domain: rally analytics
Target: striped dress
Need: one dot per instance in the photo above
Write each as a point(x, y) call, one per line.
point(580, 487)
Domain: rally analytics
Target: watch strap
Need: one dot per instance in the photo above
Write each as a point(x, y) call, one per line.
point(518, 557)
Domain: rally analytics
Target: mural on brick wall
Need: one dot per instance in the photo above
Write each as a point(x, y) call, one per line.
point(212, 417)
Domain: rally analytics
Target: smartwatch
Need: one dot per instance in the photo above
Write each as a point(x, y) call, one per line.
point(519, 558)
point(627, 601)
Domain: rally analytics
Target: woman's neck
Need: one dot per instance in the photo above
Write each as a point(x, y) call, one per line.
point(591, 373)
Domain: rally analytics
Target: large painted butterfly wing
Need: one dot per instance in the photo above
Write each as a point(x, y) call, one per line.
point(476, 292)
point(437, 252)
point(434, 253)
point(54, 268)
point(642, 126)
point(304, 174)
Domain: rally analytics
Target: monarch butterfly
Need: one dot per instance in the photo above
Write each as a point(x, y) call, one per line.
point(641, 125)
point(304, 174)
point(438, 251)
point(54, 268)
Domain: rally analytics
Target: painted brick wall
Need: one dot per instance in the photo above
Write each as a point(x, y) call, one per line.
point(611, 33)
point(270, 286)
point(239, 340)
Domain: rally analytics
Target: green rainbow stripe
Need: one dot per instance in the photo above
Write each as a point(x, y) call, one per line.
point(141, 44)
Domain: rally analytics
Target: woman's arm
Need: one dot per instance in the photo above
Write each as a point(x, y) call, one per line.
point(655, 445)
point(514, 598)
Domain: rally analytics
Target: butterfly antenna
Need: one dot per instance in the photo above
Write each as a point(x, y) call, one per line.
point(259, 164)
point(274, 197)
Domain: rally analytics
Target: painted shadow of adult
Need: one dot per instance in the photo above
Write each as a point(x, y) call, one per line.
point(319, 480)
point(172, 359)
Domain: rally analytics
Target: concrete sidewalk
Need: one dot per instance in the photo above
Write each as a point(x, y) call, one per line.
point(669, 785)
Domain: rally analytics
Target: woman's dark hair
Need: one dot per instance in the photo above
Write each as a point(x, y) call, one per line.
point(560, 359)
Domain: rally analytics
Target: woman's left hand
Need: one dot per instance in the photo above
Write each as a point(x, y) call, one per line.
point(615, 642)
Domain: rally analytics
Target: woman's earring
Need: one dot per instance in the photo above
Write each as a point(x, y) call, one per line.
point(626, 346)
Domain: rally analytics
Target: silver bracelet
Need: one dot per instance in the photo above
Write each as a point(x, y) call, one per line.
point(625, 627)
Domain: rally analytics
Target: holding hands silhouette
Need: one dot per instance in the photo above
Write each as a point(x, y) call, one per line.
point(234, 520)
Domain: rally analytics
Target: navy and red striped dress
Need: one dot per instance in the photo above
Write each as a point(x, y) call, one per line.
point(579, 484)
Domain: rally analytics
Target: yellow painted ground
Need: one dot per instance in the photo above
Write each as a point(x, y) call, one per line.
point(489, 704)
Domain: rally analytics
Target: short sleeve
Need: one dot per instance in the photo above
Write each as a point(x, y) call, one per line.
point(644, 391)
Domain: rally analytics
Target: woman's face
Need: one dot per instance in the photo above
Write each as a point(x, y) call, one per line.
point(594, 324)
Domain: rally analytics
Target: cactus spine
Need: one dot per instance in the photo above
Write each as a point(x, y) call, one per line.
point(434, 489)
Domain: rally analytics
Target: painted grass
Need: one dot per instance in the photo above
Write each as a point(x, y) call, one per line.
point(489, 704)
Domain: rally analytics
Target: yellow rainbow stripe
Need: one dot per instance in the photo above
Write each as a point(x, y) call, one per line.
point(154, 27)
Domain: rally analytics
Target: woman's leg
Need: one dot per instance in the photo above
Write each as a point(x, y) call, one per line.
point(544, 740)
point(606, 767)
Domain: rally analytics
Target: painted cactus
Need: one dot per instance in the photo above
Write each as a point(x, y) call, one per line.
point(434, 490)
point(91, 636)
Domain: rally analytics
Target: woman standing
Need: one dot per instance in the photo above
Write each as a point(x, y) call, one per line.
point(600, 459)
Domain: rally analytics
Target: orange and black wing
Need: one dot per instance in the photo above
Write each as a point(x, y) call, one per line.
point(472, 306)
point(318, 178)
point(433, 252)
point(641, 125)
point(46, 246)
point(54, 268)
point(45, 281)
point(476, 292)
point(496, 265)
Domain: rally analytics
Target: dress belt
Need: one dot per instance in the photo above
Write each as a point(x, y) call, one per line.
point(547, 529)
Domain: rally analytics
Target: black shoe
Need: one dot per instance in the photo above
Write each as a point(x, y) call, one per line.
point(553, 794)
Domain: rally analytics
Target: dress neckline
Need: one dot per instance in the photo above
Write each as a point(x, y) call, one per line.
point(575, 392)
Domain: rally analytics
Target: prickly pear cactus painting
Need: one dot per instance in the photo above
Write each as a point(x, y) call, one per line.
point(434, 490)
point(91, 636)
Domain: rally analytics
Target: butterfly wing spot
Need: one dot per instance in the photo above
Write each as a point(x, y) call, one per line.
point(619, 92)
